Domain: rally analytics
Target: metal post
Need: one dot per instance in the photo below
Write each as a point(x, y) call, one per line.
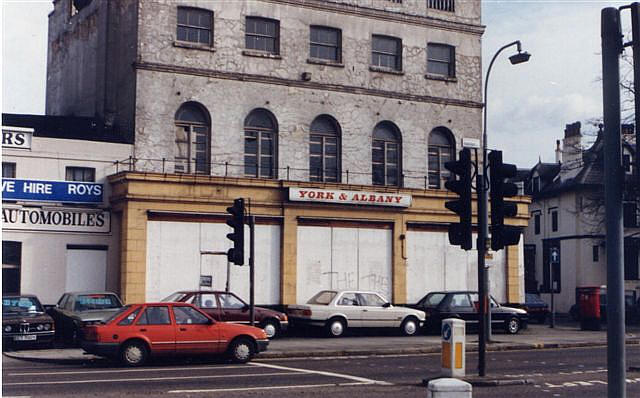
point(553, 308)
point(613, 180)
point(635, 23)
point(227, 287)
point(252, 235)
point(482, 294)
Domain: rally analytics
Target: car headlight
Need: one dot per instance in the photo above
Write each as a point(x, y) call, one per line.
point(47, 326)
point(40, 327)
point(7, 328)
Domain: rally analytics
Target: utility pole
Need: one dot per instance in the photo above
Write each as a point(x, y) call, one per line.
point(252, 263)
point(613, 181)
point(635, 29)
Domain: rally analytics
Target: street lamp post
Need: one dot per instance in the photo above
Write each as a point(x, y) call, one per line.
point(483, 227)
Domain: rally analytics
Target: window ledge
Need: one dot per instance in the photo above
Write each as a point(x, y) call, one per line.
point(441, 78)
point(319, 61)
point(193, 46)
point(382, 69)
point(260, 54)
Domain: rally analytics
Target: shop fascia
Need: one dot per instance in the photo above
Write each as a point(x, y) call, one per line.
point(39, 206)
point(349, 197)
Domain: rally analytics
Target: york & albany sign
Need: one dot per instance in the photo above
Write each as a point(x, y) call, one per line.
point(56, 219)
point(349, 197)
point(51, 191)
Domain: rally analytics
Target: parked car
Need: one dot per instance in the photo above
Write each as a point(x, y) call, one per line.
point(77, 309)
point(464, 305)
point(24, 321)
point(137, 331)
point(227, 307)
point(338, 310)
point(536, 307)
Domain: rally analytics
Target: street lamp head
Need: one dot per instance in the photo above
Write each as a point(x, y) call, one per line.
point(519, 58)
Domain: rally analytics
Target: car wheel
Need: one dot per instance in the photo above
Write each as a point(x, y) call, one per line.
point(272, 328)
point(409, 326)
point(513, 325)
point(134, 353)
point(241, 350)
point(335, 327)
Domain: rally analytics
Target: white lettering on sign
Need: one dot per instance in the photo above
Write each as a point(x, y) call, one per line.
point(67, 220)
point(8, 186)
point(84, 189)
point(16, 137)
point(349, 197)
point(37, 187)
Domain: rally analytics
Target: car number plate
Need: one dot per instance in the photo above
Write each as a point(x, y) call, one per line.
point(29, 337)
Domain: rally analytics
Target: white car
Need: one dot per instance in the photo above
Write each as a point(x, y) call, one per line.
point(337, 310)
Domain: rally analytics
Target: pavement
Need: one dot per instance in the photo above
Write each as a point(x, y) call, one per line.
point(566, 335)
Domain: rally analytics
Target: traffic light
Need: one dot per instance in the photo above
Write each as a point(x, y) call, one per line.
point(502, 235)
point(460, 233)
point(236, 221)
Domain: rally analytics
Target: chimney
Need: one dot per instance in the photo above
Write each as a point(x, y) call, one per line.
point(571, 149)
point(558, 152)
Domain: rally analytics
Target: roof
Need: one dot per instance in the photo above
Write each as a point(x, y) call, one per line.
point(68, 127)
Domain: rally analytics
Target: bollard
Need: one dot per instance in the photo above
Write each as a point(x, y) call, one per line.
point(453, 348)
point(448, 388)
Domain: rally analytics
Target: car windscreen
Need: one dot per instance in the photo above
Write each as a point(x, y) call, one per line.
point(175, 297)
point(122, 310)
point(86, 302)
point(533, 299)
point(20, 305)
point(323, 298)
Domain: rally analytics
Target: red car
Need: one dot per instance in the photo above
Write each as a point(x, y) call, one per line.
point(227, 307)
point(140, 330)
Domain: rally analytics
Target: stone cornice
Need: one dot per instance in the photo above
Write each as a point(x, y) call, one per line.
point(157, 67)
point(374, 13)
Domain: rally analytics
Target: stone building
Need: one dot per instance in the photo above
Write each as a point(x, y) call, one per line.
point(269, 100)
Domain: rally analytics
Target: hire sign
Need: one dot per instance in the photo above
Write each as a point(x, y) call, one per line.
point(51, 191)
point(349, 197)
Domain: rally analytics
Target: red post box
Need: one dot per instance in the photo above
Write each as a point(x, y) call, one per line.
point(589, 307)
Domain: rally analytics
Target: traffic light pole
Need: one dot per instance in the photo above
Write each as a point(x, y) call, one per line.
point(482, 273)
point(613, 179)
point(252, 244)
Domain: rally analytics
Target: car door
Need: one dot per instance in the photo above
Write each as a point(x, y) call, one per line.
point(374, 314)
point(195, 332)
point(155, 324)
point(349, 305)
point(233, 309)
point(498, 314)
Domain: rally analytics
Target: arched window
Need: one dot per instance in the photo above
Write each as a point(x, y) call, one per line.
point(260, 143)
point(193, 139)
point(441, 150)
point(324, 150)
point(386, 155)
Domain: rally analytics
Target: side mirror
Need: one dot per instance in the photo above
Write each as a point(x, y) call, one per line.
point(211, 321)
point(245, 308)
point(386, 305)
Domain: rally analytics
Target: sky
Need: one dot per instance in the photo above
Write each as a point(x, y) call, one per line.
point(528, 105)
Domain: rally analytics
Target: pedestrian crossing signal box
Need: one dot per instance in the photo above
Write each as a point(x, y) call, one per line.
point(453, 348)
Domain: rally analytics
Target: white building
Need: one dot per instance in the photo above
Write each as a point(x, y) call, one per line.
point(567, 217)
point(58, 232)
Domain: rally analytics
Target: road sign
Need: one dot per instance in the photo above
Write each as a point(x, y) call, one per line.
point(555, 255)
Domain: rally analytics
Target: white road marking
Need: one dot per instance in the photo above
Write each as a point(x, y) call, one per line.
point(319, 372)
point(150, 379)
point(102, 371)
point(265, 388)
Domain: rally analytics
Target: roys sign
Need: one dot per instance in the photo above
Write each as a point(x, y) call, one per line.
point(51, 191)
point(349, 197)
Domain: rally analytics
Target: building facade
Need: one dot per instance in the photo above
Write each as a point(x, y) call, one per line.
point(568, 218)
point(335, 119)
point(58, 229)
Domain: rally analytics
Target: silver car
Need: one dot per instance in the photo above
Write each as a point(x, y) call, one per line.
point(337, 310)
